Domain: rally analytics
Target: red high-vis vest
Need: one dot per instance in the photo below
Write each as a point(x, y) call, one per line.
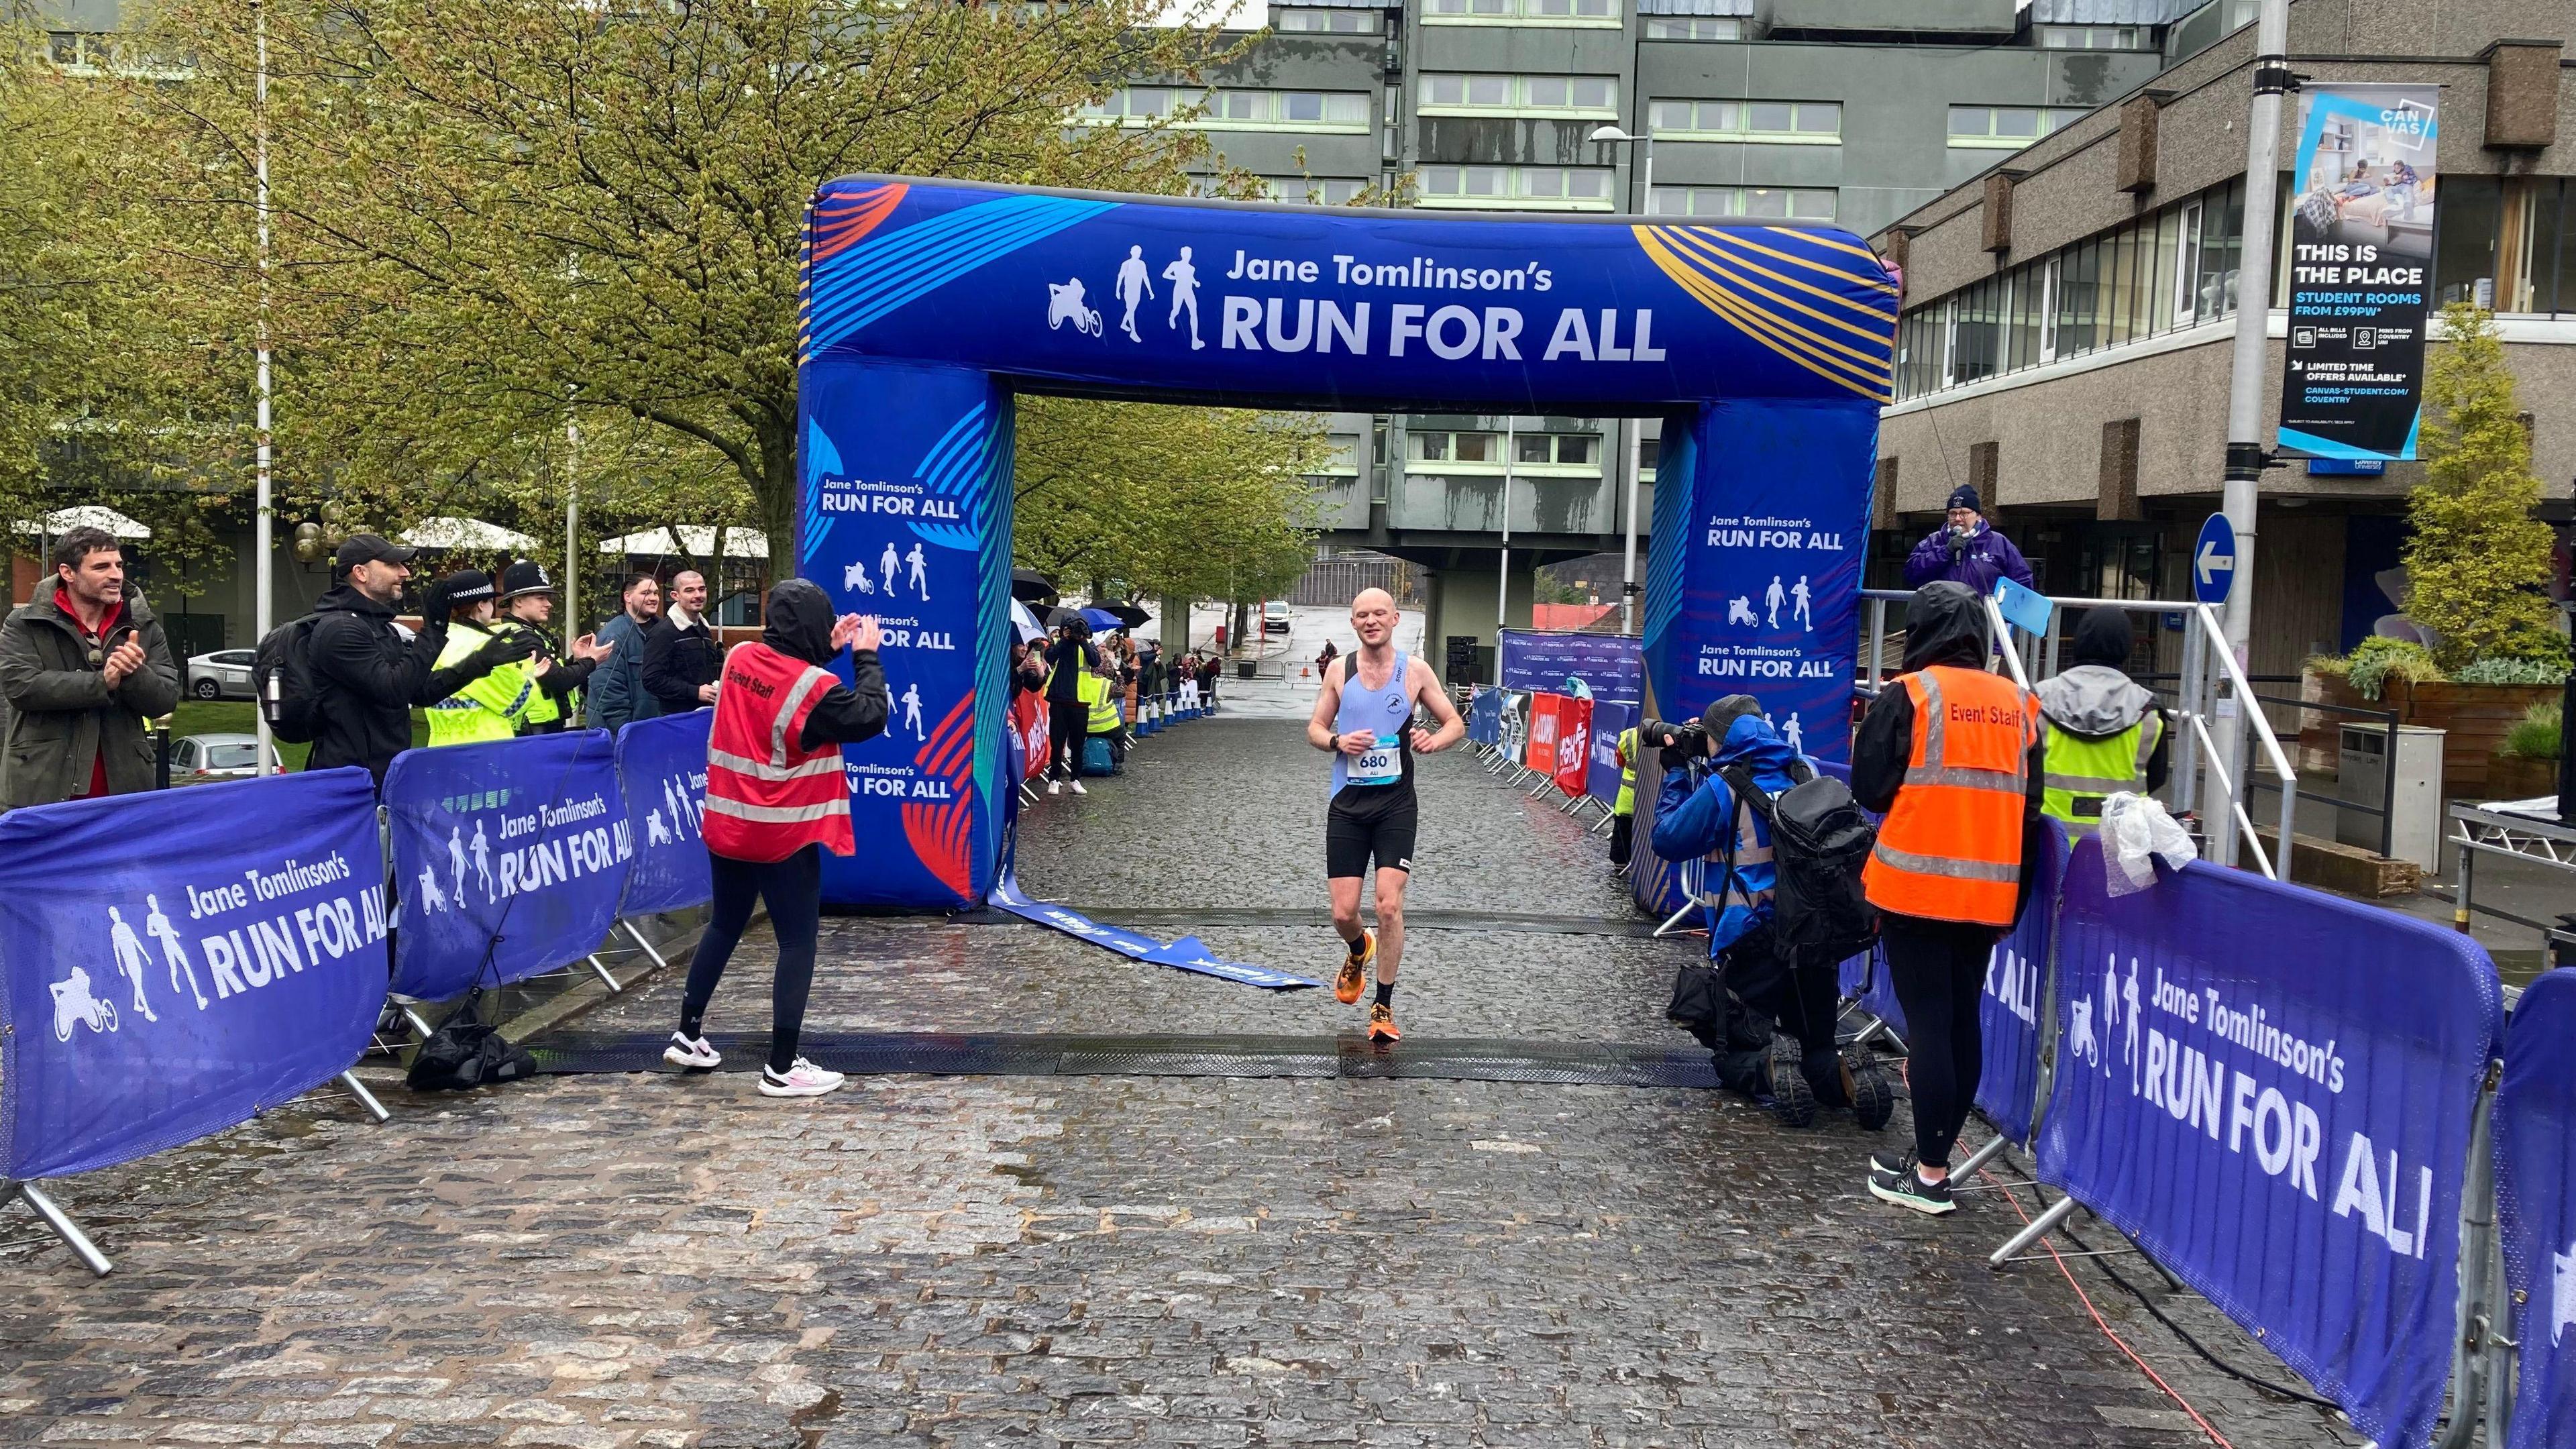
point(768, 796)
point(1950, 848)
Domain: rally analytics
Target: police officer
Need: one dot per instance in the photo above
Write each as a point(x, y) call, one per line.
point(1953, 756)
point(2105, 733)
point(527, 606)
point(490, 707)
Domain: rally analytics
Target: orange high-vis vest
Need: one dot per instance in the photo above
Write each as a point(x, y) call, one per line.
point(768, 796)
point(1950, 848)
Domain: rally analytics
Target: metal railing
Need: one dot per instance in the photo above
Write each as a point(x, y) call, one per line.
point(2215, 706)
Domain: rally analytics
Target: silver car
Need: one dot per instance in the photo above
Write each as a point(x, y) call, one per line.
point(224, 674)
point(201, 759)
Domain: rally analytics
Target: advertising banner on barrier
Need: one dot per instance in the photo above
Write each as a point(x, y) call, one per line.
point(1592, 666)
point(172, 963)
point(2361, 269)
point(2008, 1009)
point(1541, 752)
point(1029, 725)
point(517, 849)
point(1485, 717)
point(1513, 734)
point(2535, 1160)
point(662, 772)
point(2286, 1139)
point(1573, 744)
point(1601, 776)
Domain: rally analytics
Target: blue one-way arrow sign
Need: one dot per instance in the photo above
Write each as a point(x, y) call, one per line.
point(2213, 560)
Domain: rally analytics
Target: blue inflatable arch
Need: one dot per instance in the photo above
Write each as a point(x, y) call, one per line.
point(929, 304)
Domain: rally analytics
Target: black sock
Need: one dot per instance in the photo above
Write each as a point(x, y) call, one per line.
point(1386, 994)
point(1358, 944)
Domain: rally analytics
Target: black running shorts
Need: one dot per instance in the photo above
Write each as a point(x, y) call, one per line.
point(1355, 834)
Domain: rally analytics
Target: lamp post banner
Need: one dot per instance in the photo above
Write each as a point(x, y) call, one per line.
point(509, 859)
point(175, 962)
point(1603, 667)
point(662, 772)
point(2361, 270)
point(2289, 1140)
point(2535, 1159)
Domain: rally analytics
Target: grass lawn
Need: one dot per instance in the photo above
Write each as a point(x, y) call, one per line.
point(233, 717)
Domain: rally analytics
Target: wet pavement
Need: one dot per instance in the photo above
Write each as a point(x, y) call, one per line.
point(660, 1261)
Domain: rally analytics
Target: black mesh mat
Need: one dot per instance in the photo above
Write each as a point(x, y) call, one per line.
point(1611, 1064)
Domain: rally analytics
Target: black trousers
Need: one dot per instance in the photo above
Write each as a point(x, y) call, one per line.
point(793, 889)
point(1766, 995)
point(1068, 725)
point(1939, 969)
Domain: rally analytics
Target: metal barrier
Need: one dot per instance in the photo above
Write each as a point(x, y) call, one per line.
point(2212, 714)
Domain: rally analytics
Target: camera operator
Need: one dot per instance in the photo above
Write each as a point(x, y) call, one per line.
point(1697, 815)
point(1070, 662)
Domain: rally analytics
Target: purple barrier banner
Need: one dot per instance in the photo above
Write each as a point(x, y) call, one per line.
point(2008, 1009)
point(2272, 1089)
point(2535, 1160)
point(1601, 776)
point(176, 962)
point(1606, 666)
point(662, 772)
point(509, 858)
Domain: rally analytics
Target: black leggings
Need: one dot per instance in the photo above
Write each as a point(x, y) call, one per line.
point(794, 890)
point(1068, 725)
point(1939, 969)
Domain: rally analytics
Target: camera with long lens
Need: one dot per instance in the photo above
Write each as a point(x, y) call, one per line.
point(1679, 743)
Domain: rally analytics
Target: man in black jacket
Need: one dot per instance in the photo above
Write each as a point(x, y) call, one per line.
point(366, 676)
point(681, 658)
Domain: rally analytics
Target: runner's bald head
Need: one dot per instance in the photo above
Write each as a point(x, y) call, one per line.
point(1372, 599)
point(1373, 617)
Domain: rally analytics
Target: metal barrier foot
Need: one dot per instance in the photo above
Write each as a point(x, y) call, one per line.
point(62, 1224)
point(365, 1098)
point(2040, 1227)
point(603, 974)
point(658, 961)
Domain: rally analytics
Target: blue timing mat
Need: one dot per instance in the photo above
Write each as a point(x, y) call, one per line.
point(1188, 953)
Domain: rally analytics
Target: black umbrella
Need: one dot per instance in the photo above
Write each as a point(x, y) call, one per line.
point(1058, 618)
point(1031, 587)
point(1129, 615)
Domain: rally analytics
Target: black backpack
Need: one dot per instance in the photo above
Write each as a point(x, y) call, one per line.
point(465, 1053)
point(281, 676)
point(1819, 841)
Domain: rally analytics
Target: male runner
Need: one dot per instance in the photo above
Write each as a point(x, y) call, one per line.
point(1364, 719)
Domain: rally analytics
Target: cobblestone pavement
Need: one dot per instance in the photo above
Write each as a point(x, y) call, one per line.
point(661, 1262)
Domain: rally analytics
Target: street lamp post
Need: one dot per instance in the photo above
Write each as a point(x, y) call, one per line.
point(263, 527)
point(1613, 136)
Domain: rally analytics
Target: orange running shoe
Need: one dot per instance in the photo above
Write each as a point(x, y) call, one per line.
point(1382, 1023)
point(1346, 987)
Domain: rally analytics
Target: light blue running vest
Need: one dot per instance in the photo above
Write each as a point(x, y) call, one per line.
point(1383, 712)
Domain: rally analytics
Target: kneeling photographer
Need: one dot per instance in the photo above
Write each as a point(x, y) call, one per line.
point(1766, 1010)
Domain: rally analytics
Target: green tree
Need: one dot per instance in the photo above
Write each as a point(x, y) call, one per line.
point(490, 216)
point(2478, 562)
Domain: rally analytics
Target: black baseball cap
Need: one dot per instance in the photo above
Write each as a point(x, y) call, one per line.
point(527, 576)
point(369, 548)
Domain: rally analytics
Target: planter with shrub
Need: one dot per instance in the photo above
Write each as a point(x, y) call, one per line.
point(2526, 765)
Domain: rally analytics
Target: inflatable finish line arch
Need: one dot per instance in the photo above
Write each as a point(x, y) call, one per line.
point(928, 304)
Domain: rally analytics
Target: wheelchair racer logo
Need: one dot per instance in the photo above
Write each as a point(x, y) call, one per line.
point(74, 1006)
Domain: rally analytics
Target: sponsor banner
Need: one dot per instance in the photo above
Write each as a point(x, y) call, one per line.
point(2289, 1141)
point(2008, 1010)
point(1601, 777)
point(1761, 596)
point(2361, 270)
point(2535, 1158)
point(509, 858)
point(175, 962)
point(1513, 731)
point(1029, 727)
point(662, 772)
point(1485, 717)
point(1188, 953)
point(1602, 667)
point(1540, 752)
point(907, 516)
point(1573, 745)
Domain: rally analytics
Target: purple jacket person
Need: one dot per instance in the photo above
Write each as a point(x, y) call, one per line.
point(1966, 550)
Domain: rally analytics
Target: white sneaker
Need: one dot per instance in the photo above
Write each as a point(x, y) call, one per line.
point(803, 1079)
point(1077, 787)
point(1055, 787)
point(688, 1051)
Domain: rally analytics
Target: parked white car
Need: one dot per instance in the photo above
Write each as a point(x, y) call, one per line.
point(224, 674)
point(1275, 617)
point(202, 759)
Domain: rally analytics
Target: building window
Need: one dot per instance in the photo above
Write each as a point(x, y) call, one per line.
point(1692, 27)
point(1650, 452)
point(1520, 12)
point(1774, 203)
point(1477, 450)
point(1557, 453)
point(1341, 456)
point(1531, 188)
point(77, 53)
point(2005, 128)
point(1777, 123)
point(1533, 453)
point(2094, 37)
point(1233, 109)
point(1323, 22)
point(1453, 93)
point(1316, 190)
